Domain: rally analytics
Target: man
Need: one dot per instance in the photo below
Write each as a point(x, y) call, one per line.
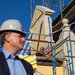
point(41, 52)
point(12, 38)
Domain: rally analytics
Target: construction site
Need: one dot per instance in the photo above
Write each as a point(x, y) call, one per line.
point(50, 44)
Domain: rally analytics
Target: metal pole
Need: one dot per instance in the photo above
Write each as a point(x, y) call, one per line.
point(53, 64)
point(68, 56)
point(71, 54)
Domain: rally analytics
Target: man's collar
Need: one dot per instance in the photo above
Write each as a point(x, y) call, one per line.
point(8, 54)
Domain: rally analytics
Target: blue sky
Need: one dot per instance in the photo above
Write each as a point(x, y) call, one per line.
point(21, 10)
point(18, 9)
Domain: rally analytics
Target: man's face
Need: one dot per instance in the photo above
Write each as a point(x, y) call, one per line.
point(16, 41)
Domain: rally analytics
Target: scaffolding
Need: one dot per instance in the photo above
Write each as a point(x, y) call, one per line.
point(51, 49)
point(51, 52)
point(52, 4)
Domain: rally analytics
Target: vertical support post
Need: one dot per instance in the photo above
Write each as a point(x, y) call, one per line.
point(65, 34)
point(67, 47)
point(68, 56)
point(53, 59)
point(71, 55)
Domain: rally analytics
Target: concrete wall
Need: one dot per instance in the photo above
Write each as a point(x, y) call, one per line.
point(47, 70)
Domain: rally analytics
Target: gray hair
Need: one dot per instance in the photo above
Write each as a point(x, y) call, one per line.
point(3, 37)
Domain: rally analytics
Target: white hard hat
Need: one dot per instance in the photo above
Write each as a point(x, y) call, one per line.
point(12, 25)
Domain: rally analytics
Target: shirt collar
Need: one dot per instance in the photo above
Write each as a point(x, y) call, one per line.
point(8, 54)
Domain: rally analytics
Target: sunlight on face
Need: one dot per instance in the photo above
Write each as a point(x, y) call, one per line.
point(16, 40)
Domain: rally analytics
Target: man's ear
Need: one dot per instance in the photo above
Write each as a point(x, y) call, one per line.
point(7, 38)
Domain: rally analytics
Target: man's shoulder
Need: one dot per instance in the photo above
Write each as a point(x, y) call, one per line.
point(25, 62)
point(1, 53)
point(0, 50)
point(27, 66)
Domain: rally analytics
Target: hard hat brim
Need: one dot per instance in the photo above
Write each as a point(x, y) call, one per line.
point(22, 33)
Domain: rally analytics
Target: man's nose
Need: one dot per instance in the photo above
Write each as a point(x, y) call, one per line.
point(23, 38)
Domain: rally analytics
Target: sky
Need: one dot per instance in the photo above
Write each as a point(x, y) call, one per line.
point(17, 9)
point(21, 10)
